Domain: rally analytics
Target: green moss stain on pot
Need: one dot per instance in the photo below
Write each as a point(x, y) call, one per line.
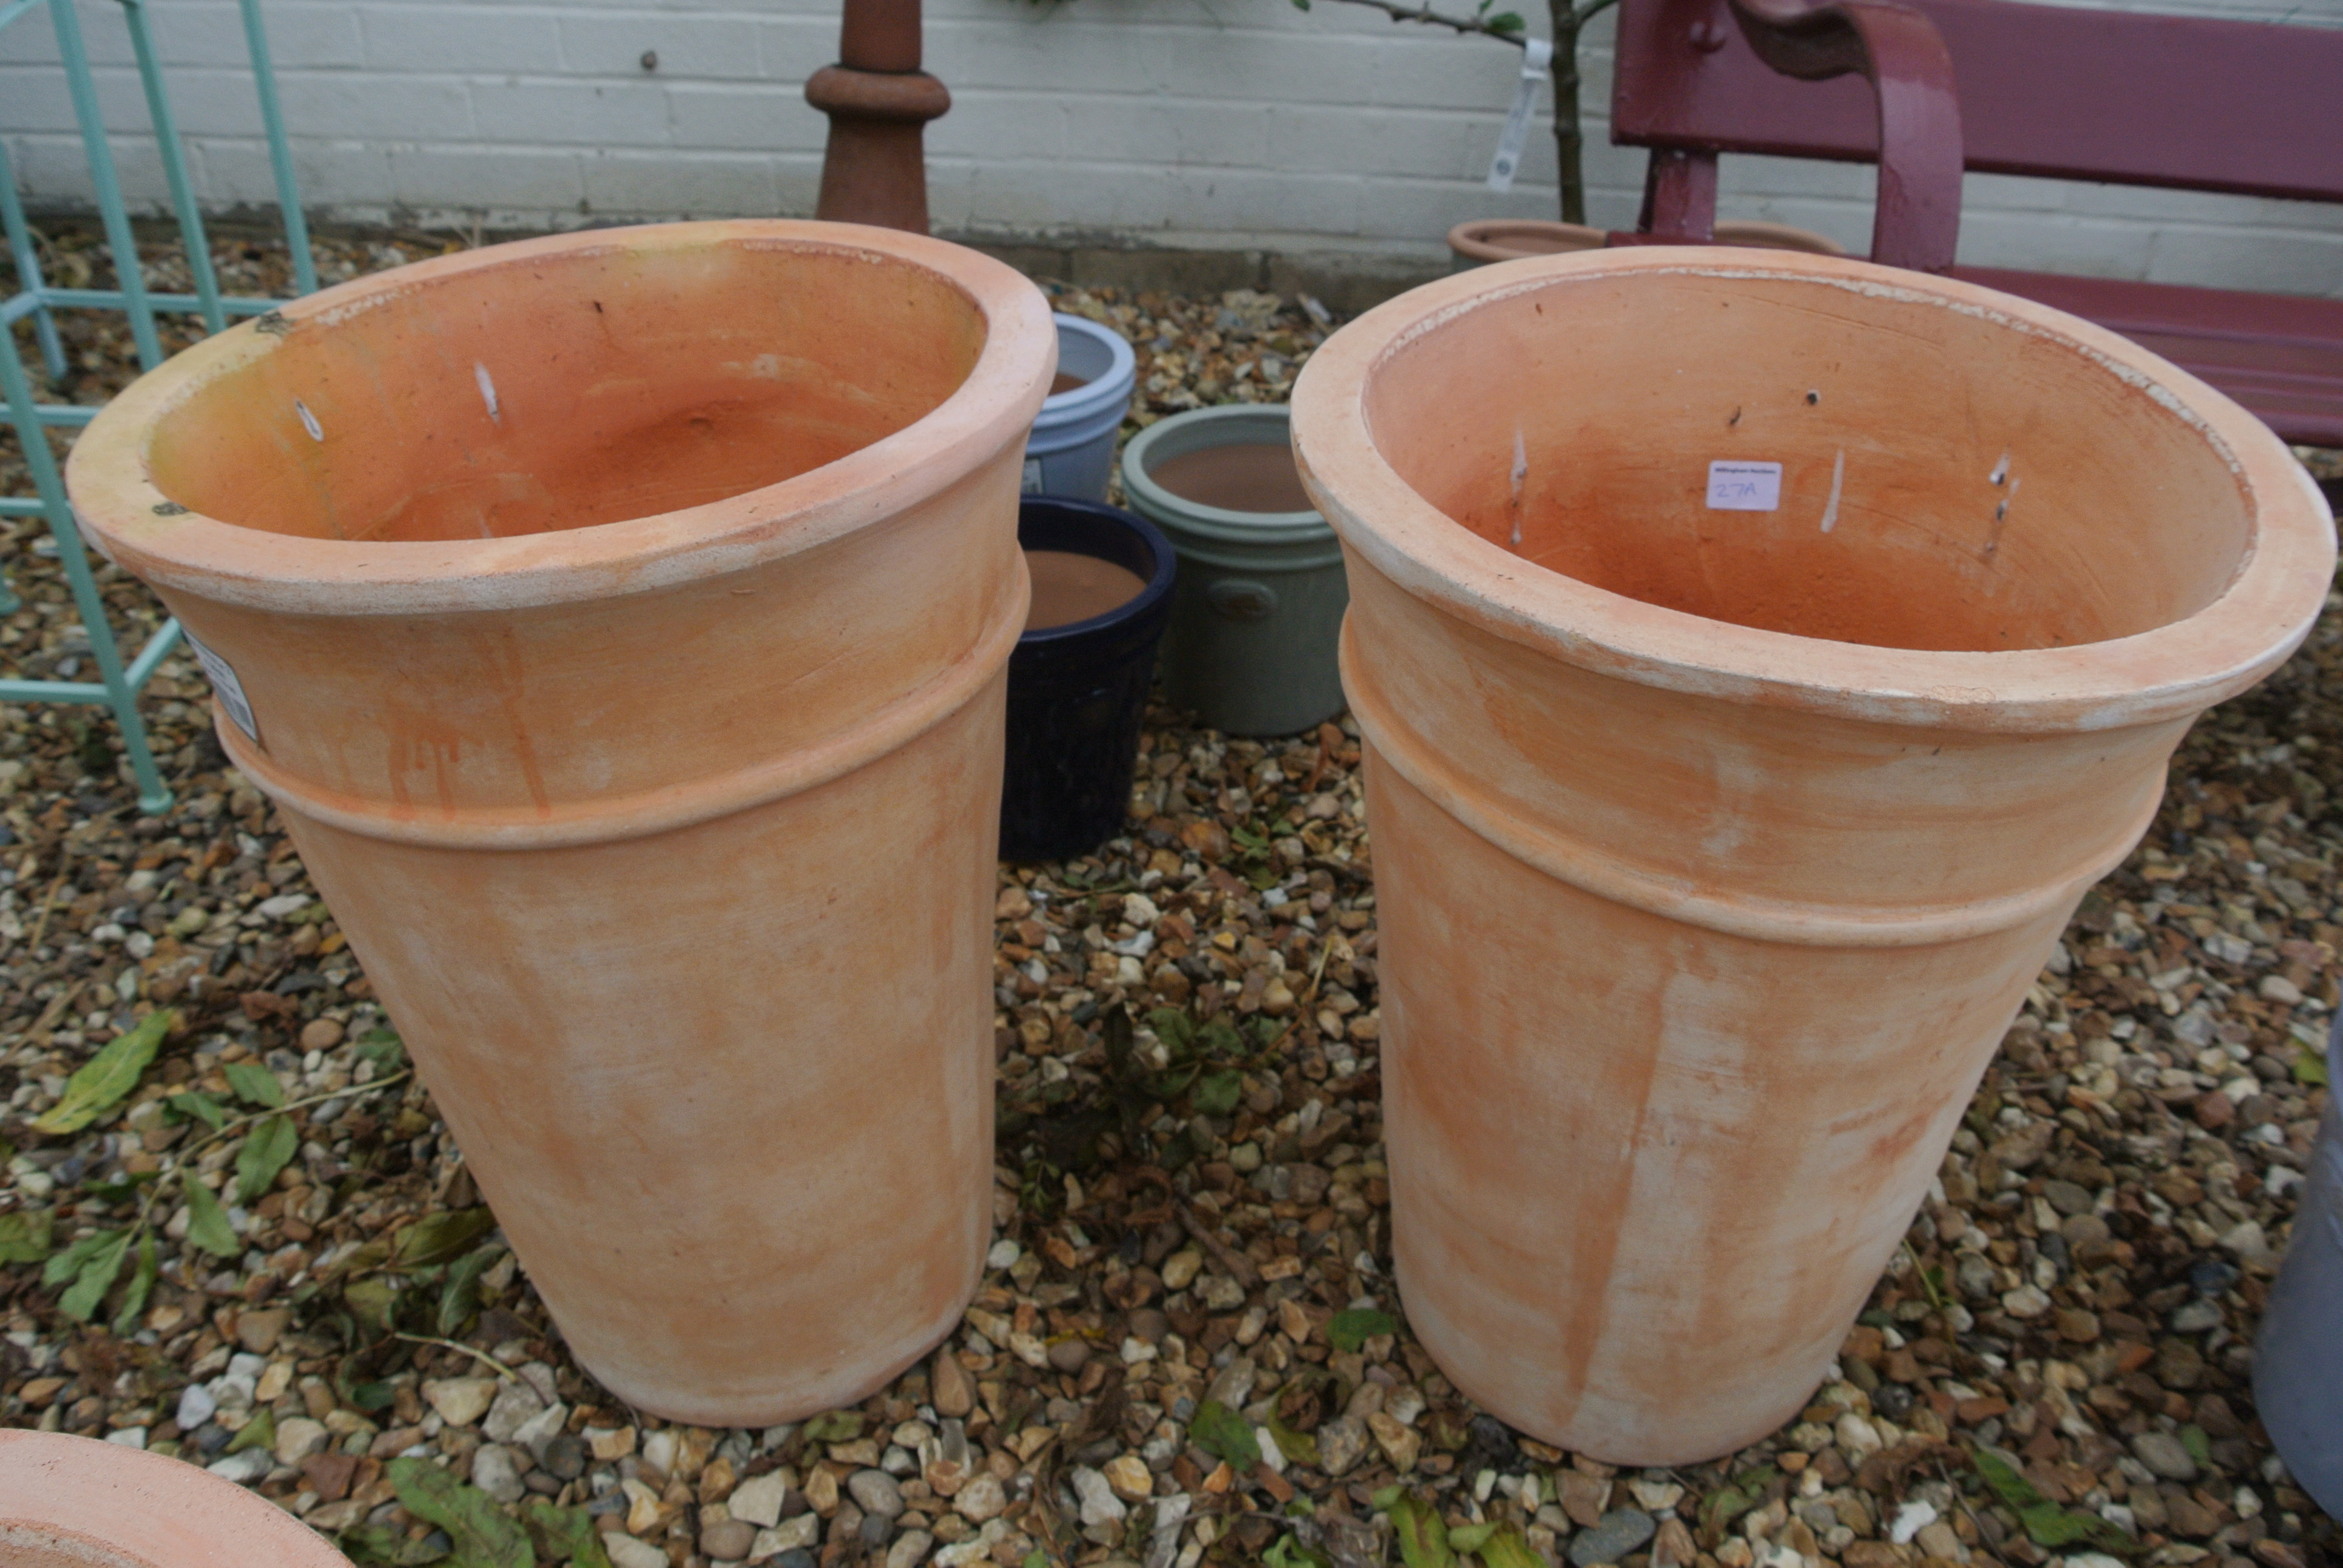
point(1753, 679)
point(621, 623)
point(1251, 649)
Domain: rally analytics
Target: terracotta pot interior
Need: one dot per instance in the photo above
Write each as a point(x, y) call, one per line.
point(1947, 482)
point(1070, 585)
point(560, 392)
point(1235, 477)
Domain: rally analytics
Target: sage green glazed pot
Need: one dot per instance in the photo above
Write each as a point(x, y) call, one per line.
point(1259, 606)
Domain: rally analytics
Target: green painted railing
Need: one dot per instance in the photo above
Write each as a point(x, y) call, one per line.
point(118, 683)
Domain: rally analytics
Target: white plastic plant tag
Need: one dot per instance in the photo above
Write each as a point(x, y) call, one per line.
point(1537, 54)
point(1745, 487)
point(221, 676)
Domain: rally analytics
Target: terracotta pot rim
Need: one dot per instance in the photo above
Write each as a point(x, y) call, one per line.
point(2169, 671)
point(138, 527)
point(144, 1506)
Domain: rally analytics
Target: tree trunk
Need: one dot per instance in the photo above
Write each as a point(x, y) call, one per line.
point(1569, 143)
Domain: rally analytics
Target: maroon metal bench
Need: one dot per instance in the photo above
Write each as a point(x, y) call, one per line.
point(1929, 87)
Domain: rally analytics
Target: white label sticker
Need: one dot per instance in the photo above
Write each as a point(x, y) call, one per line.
point(224, 681)
point(1745, 487)
point(1033, 476)
point(1537, 54)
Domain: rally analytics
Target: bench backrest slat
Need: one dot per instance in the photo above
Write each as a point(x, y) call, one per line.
point(2055, 91)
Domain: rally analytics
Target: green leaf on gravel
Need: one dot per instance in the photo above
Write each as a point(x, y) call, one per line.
point(260, 1432)
point(1299, 1447)
point(267, 1148)
point(1422, 1539)
point(142, 1286)
point(380, 1546)
point(1217, 1095)
point(1224, 1434)
point(1289, 1552)
point(255, 1084)
point(24, 1235)
point(459, 1294)
point(835, 1426)
point(1727, 1503)
point(2048, 1523)
point(116, 1192)
point(375, 1304)
point(565, 1534)
point(2309, 1067)
point(2199, 1444)
point(196, 1106)
point(1174, 1029)
point(484, 1536)
point(1509, 1548)
point(444, 1237)
point(1354, 1326)
point(382, 1047)
point(106, 1077)
point(1470, 1537)
point(92, 1272)
point(208, 1225)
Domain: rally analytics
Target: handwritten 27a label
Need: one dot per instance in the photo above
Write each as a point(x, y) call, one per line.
point(1745, 487)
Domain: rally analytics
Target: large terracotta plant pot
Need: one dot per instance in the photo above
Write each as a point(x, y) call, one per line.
point(77, 1503)
point(1715, 846)
point(622, 619)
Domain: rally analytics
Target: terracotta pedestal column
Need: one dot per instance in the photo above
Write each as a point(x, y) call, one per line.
point(875, 169)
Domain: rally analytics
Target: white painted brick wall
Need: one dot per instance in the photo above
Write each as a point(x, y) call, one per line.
point(1236, 123)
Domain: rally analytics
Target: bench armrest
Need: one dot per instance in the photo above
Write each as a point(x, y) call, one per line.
point(1918, 218)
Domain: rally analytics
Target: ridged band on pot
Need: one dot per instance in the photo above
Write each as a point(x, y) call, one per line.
point(1259, 607)
point(1719, 833)
point(666, 832)
point(76, 1502)
point(1071, 449)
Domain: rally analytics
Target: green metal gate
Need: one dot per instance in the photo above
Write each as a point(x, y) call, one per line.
point(118, 683)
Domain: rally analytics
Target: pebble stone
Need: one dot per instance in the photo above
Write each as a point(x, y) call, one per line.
point(1612, 1538)
point(2166, 1455)
point(876, 1492)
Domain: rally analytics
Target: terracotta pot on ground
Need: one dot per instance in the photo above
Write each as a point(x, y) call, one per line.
point(1715, 846)
point(622, 619)
point(1487, 239)
point(77, 1503)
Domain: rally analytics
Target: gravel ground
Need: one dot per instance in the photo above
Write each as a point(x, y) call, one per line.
point(258, 1249)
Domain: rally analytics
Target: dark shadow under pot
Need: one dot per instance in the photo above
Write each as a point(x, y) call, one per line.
point(1078, 682)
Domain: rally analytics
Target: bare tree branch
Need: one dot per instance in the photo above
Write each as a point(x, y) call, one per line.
point(1431, 18)
point(1592, 9)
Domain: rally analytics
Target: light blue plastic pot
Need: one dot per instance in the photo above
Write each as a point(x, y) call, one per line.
point(2299, 1357)
point(1071, 449)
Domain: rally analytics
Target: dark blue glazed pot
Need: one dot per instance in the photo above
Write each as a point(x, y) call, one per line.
point(1078, 692)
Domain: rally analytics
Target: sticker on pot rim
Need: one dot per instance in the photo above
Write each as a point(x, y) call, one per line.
point(221, 676)
point(1033, 476)
point(1745, 487)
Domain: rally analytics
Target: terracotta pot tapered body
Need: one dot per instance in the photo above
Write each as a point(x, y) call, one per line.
point(622, 619)
point(76, 1502)
point(1719, 834)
